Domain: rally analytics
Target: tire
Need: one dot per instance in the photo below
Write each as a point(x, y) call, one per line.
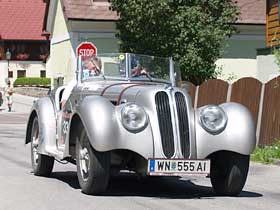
point(229, 173)
point(42, 165)
point(93, 167)
point(1, 99)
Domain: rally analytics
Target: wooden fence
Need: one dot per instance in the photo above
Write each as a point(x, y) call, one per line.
point(263, 100)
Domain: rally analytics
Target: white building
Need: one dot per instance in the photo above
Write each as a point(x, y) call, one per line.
point(240, 56)
point(21, 24)
point(72, 22)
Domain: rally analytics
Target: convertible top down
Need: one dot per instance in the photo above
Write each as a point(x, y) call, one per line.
point(132, 116)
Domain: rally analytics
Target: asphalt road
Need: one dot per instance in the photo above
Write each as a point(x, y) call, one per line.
point(21, 190)
point(21, 104)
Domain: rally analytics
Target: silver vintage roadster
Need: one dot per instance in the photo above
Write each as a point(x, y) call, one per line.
point(131, 116)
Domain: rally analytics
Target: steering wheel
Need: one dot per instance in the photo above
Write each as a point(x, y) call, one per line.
point(147, 75)
point(141, 73)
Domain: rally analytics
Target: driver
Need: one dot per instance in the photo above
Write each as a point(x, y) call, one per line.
point(139, 71)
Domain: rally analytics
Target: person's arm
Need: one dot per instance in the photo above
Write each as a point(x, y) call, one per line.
point(5, 91)
point(11, 91)
point(136, 71)
point(97, 71)
point(63, 102)
point(67, 92)
point(144, 71)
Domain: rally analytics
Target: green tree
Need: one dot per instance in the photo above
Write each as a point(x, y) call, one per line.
point(191, 31)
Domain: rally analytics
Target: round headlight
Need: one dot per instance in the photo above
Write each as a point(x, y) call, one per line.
point(134, 118)
point(213, 119)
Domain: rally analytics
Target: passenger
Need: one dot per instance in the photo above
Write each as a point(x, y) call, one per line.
point(94, 66)
point(138, 71)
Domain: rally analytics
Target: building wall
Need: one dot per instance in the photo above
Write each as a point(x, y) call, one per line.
point(60, 28)
point(267, 67)
point(60, 59)
point(102, 34)
point(243, 46)
point(68, 35)
point(239, 59)
point(272, 23)
point(234, 69)
point(32, 69)
point(3, 72)
point(60, 49)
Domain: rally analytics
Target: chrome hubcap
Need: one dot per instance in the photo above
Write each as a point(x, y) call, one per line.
point(35, 145)
point(84, 162)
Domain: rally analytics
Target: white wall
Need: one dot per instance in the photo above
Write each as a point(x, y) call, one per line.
point(3, 72)
point(239, 59)
point(60, 58)
point(32, 68)
point(234, 69)
point(267, 67)
point(263, 68)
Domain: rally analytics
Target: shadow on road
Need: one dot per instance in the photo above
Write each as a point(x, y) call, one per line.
point(161, 187)
point(69, 177)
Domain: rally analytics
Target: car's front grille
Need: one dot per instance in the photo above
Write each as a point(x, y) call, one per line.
point(165, 123)
point(182, 113)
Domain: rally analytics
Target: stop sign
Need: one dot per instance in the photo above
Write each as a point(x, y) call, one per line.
point(86, 49)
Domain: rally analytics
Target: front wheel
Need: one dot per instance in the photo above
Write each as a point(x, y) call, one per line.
point(93, 167)
point(229, 173)
point(42, 165)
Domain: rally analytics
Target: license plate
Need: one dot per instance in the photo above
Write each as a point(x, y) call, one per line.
point(178, 167)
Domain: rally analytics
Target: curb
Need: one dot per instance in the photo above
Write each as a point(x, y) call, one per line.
point(277, 162)
point(25, 96)
point(13, 113)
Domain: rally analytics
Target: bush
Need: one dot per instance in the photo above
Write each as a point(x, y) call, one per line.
point(33, 81)
point(193, 32)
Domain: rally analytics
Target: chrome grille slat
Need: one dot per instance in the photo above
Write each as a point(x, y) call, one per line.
point(182, 113)
point(165, 123)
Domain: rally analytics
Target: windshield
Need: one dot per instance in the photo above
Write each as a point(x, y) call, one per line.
point(127, 67)
point(149, 67)
point(107, 65)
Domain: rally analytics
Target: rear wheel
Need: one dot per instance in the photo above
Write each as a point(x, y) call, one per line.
point(93, 167)
point(229, 173)
point(42, 165)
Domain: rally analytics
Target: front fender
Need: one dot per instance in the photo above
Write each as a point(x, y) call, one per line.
point(104, 128)
point(43, 109)
point(239, 135)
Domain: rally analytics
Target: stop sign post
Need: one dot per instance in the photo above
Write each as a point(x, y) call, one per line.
point(86, 50)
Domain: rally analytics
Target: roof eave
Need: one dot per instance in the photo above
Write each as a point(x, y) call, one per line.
point(249, 23)
point(46, 14)
point(92, 19)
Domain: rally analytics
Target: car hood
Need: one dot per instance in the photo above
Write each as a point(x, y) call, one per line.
point(119, 92)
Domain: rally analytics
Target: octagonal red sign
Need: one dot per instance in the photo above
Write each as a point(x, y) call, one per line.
point(86, 49)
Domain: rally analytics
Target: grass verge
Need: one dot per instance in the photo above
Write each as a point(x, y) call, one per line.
point(267, 154)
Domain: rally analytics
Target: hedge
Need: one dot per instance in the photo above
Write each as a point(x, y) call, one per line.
point(32, 81)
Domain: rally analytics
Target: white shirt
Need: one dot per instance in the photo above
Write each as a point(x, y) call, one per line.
point(68, 89)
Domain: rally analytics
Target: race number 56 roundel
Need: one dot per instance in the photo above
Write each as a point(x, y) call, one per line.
point(86, 49)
